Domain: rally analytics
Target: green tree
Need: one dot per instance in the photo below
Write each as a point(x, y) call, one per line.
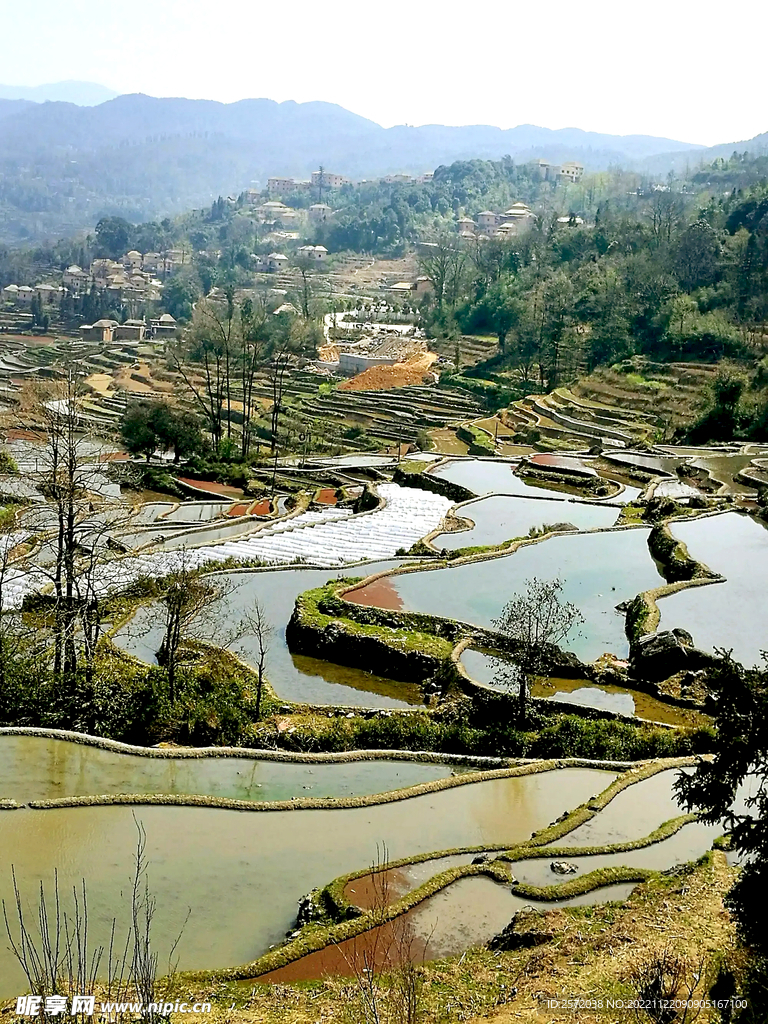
point(732, 788)
point(179, 295)
point(138, 431)
point(149, 426)
point(113, 237)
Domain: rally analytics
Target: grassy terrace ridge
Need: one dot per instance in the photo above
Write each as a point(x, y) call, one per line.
point(338, 925)
point(589, 955)
point(480, 441)
point(297, 803)
point(679, 569)
point(322, 606)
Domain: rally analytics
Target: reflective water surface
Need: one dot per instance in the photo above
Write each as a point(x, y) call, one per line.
point(598, 571)
point(243, 872)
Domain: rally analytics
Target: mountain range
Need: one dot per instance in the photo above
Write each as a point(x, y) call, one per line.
point(62, 166)
point(84, 94)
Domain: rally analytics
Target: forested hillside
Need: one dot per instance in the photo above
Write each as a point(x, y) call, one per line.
point(63, 166)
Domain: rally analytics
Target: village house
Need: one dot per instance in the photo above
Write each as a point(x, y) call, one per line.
point(25, 295)
point(131, 330)
point(319, 213)
point(277, 185)
point(325, 179)
point(132, 260)
point(317, 253)
point(572, 171)
point(49, 294)
point(76, 280)
point(277, 213)
point(11, 293)
point(273, 262)
point(152, 263)
point(569, 171)
point(102, 331)
point(164, 326)
point(487, 222)
point(515, 220)
point(465, 226)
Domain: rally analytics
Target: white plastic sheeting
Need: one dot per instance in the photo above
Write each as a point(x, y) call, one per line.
point(327, 538)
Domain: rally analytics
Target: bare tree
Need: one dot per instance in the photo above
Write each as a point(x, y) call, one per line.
point(73, 526)
point(666, 983)
point(186, 602)
point(305, 267)
point(253, 343)
point(443, 263)
point(256, 624)
point(278, 376)
point(385, 961)
point(215, 341)
point(534, 623)
point(57, 957)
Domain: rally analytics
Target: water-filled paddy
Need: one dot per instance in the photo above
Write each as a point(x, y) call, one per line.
point(485, 477)
point(33, 768)
point(469, 912)
point(598, 571)
point(502, 517)
point(197, 511)
point(297, 679)
point(242, 873)
point(484, 668)
point(723, 469)
point(731, 614)
point(384, 887)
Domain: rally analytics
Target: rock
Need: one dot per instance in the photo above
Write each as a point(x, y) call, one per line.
point(482, 858)
point(683, 636)
point(306, 911)
point(562, 867)
point(661, 655)
point(529, 927)
point(285, 709)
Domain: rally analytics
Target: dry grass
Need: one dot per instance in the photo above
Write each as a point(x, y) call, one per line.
point(593, 954)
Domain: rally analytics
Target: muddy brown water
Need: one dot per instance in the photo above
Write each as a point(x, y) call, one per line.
point(484, 667)
point(469, 912)
point(242, 873)
point(380, 888)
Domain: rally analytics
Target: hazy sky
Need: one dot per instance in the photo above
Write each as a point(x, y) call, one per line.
point(662, 67)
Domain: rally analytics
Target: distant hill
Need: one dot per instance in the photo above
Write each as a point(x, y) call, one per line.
point(84, 94)
point(62, 166)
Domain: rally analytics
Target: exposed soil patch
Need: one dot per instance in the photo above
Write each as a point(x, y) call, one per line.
point(399, 375)
point(379, 594)
point(211, 487)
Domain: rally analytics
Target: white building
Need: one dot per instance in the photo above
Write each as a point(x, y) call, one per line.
point(319, 213)
point(316, 253)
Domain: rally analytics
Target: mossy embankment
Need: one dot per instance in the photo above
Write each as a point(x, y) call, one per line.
point(480, 441)
point(678, 569)
point(590, 953)
point(336, 920)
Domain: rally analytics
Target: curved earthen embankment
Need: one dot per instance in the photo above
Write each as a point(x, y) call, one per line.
point(350, 922)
